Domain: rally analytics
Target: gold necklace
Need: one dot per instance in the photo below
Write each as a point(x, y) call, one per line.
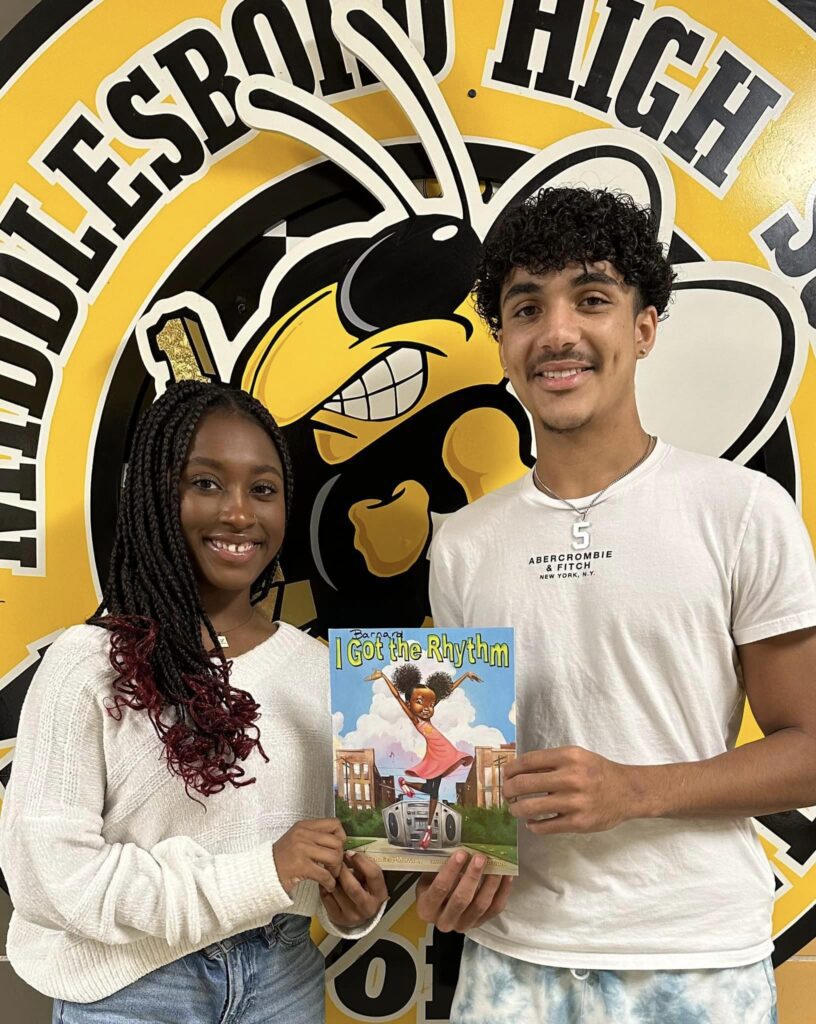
point(581, 528)
point(222, 636)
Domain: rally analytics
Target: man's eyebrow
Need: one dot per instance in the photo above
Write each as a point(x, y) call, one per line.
point(522, 288)
point(594, 277)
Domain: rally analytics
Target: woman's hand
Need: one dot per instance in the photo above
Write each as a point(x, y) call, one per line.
point(359, 893)
point(311, 849)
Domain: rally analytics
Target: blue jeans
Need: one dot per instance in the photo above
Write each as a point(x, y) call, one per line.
point(270, 974)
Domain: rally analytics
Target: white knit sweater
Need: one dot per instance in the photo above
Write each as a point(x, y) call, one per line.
point(113, 870)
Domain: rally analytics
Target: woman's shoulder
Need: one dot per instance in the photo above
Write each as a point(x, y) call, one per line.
point(76, 663)
point(286, 645)
point(83, 642)
point(301, 645)
point(81, 648)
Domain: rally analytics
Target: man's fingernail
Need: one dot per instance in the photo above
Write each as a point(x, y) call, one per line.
point(479, 862)
point(460, 857)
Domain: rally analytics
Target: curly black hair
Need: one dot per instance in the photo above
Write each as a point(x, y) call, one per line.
point(408, 678)
point(558, 226)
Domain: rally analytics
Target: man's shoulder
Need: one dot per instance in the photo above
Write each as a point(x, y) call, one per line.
point(716, 473)
point(484, 515)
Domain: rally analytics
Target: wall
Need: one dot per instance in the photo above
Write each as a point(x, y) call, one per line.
point(203, 245)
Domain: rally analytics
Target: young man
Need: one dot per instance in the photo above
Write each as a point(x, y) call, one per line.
point(651, 590)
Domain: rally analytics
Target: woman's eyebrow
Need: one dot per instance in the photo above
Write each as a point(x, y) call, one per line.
point(203, 460)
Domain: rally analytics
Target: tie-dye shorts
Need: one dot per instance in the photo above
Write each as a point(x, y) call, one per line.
point(498, 989)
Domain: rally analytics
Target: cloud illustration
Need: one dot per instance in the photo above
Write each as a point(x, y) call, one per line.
point(397, 744)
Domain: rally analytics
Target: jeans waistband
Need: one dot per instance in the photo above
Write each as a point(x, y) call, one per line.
point(267, 933)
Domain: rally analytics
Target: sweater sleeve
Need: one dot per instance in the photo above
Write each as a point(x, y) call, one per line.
point(61, 871)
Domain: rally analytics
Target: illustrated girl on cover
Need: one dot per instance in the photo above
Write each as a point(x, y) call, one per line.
point(418, 699)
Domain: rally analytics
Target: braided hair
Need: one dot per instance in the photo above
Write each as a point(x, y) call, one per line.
point(151, 604)
point(408, 678)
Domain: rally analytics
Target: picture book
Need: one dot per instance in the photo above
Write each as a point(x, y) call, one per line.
point(424, 731)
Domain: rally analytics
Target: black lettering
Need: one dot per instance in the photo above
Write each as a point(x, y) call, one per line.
point(398, 985)
point(141, 125)
point(526, 19)
point(808, 297)
point(737, 125)
point(434, 33)
point(95, 183)
point(281, 25)
point(22, 438)
point(200, 93)
point(19, 480)
point(13, 518)
point(336, 75)
point(443, 957)
point(660, 35)
point(30, 396)
point(595, 90)
point(32, 226)
point(399, 12)
point(793, 262)
point(54, 332)
point(22, 551)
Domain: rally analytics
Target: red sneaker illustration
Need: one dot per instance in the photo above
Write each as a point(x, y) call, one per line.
point(406, 789)
point(425, 841)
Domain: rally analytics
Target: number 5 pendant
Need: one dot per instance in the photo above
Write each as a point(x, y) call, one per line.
point(580, 531)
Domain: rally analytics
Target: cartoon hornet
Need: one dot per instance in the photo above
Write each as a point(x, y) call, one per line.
point(418, 700)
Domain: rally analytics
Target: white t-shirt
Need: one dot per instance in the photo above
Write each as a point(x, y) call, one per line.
point(113, 870)
point(629, 649)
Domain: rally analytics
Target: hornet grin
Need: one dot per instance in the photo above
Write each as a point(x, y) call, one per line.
point(388, 387)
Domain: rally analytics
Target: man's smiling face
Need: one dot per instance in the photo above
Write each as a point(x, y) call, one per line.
point(569, 341)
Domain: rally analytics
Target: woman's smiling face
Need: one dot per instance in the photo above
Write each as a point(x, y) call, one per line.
point(233, 509)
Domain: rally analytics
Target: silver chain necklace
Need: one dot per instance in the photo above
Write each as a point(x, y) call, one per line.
point(581, 528)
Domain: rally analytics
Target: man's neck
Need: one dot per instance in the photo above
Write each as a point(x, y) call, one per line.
point(576, 463)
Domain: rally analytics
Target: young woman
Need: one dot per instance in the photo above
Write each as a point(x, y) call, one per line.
point(166, 833)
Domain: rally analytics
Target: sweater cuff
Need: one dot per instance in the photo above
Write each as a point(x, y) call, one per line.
point(252, 889)
point(349, 931)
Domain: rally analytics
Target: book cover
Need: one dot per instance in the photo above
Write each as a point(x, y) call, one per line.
point(424, 729)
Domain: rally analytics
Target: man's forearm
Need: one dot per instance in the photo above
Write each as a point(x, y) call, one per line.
point(776, 773)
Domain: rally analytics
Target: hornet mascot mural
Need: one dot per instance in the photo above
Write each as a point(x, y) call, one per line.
point(366, 348)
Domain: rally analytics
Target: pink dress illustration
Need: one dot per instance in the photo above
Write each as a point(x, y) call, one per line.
point(441, 756)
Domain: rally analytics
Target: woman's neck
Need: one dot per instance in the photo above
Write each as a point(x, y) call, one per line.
point(226, 609)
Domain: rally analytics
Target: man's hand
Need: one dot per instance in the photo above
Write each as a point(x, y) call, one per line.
point(359, 893)
point(459, 897)
point(571, 789)
point(310, 849)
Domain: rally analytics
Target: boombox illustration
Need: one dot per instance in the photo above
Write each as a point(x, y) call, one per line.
point(406, 821)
